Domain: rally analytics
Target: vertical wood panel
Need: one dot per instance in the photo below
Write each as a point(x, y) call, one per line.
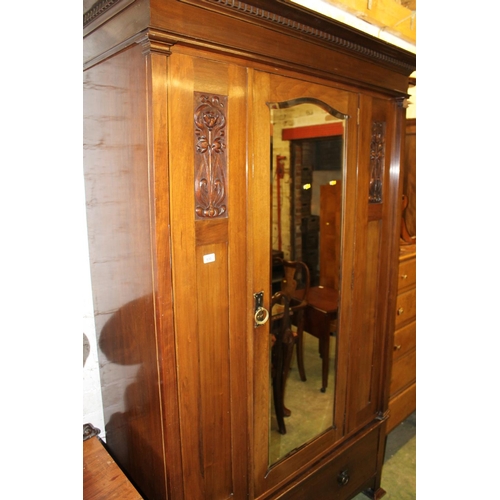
point(386, 110)
point(362, 356)
point(372, 268)
point(181, 131)
point(359, 265)
point(213, 333)
point(347, 311)
point(160, 210)
point(239, 324)
point(210, 296)
point(365, 362)
point(259, 248)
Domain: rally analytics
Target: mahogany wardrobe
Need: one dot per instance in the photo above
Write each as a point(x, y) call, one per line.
point(211, 130)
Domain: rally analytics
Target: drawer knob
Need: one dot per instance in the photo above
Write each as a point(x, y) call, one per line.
point(400, 311)
point(397, 347)
point(404, 276)
point(343, 478)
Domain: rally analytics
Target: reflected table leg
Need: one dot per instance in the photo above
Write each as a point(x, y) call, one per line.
point(320, 312)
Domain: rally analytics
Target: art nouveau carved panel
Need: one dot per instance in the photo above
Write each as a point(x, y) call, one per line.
point(210, 155)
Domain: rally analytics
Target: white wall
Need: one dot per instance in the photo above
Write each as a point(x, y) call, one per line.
point(92, 400)
point(411, 110)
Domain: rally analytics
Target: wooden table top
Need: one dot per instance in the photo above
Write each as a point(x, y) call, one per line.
point(324, 299)
point(102, 478)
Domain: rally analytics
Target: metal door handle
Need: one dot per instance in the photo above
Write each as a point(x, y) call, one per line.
point(261, 313)
point(261, 316)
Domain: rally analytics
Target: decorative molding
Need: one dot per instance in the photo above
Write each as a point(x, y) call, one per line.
point(210, 155)
point(155, 41)
point(304, 29)
point(97, 10)
point(377, 160)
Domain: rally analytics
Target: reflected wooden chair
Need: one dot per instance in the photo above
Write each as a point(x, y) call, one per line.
point(295, 285)
point(282, 341)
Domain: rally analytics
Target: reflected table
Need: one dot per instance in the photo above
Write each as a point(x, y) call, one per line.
point(321, 310)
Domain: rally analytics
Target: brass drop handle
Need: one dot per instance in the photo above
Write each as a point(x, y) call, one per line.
point(397, 347)
point(261, 316)
point(404, 276)
point(400, 311)
point(343, 478)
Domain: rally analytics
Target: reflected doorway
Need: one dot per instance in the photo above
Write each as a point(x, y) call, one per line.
point(315, 163)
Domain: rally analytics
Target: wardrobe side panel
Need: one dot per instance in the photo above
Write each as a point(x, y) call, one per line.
point(118, 214)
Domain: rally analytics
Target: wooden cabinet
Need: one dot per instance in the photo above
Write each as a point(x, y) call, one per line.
point(402, 400)
point(178, 98)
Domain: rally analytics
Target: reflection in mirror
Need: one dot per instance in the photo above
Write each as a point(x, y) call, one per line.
point(307, 164)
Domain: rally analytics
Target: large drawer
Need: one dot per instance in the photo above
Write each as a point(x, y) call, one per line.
point(404, 372)
point(407, 275)
point(405, 339)
point(406, 307)
point(343, 476)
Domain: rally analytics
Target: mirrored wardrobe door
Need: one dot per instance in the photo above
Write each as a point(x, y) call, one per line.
point(307, 154)
point(303, 163)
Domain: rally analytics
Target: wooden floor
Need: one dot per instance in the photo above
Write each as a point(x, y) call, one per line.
point(102, 478)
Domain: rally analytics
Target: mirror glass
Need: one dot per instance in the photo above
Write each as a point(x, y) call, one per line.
point(307, 165)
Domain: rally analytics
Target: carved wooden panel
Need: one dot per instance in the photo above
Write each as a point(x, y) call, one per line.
point(210, 156)
point(377, 160)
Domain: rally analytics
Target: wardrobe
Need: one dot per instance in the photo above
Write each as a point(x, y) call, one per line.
point(185, 102)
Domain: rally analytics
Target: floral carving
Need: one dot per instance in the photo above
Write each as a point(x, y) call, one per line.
point(377, 160)
point(210, 155)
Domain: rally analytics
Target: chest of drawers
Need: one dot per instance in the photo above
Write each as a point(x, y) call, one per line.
point(402, 401)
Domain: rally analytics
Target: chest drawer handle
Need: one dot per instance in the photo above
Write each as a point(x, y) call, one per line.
point(397, 347)
point(343, 478)
point(400, 311)
point(404, 276)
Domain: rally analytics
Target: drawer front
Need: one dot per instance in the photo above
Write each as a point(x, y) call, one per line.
point(405, 339)
point(404, 372)
point(407, 275)
point(343, 476)
point(406, 307)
